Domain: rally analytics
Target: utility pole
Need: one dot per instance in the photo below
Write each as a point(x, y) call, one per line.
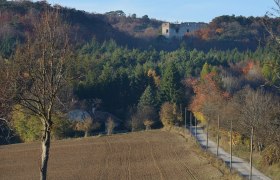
point(218, 136)
point(230, 165)
point(251, 153)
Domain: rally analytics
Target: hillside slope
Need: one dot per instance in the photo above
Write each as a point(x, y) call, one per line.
point(224, 32)
point(143, 155)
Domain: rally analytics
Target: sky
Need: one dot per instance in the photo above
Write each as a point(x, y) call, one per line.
point(174, 10)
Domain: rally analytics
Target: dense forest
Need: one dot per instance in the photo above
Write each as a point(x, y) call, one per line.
point(123, 67)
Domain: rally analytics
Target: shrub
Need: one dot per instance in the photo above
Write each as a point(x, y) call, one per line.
point(271, 154)
point(61, 127)
point(148, 123)
point(136, 123)
point(28, 126)
point(86, 125)
point(169, 114)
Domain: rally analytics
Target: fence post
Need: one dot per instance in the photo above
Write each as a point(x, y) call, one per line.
point(207, 136)
point(195, 127)
point(230, 145)
point(191, 123)
point(218, 135)
point(185, 118)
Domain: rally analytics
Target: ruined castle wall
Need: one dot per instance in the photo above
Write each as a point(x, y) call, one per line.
point(179, 30)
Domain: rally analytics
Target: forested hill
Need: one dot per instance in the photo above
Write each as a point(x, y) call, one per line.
point(17, 17)
point(225, 32)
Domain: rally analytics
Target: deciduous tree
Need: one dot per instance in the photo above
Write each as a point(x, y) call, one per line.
point(7, 94)
point(43, 73)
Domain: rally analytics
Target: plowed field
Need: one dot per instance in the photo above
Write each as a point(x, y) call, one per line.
point(144, 155)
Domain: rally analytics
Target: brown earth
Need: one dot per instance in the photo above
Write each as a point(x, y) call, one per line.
point(143, 155)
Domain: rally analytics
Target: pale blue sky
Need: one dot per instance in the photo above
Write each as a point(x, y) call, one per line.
point(174, 10)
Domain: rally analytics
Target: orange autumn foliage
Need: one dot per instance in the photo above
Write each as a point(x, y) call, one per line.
point(205, 90)
point(219, 30)
point(204, 34)
point(248, 67)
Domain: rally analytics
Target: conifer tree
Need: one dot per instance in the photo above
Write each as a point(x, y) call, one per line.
point(171, 87)
point(147, 98)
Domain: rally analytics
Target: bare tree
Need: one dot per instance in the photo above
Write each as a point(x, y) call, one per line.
point(169, 114)
point(255, 109)
point(86, 125)
point(110, 125)
point(136, 122)
point(44, 66)
point(274, 13)
point(148, 123)
point(212, 110)
point(7, 93)
point(148, 116)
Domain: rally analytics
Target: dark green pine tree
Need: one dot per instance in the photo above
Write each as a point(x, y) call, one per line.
point(147, 98)
point(171, 87)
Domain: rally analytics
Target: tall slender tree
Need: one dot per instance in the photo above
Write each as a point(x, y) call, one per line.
point(43, 73)
point(171, 87)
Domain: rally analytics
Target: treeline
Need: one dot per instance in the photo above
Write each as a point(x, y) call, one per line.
point(18, 17)
point(141, 27)
point(127, 81)
point(107, 65)
point(224, 32)
point(239, 97)
point(227, 32)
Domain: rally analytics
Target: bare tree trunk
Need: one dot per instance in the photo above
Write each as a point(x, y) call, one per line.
point(251, 153)
point(86, 134)
point(46, 142)
point(148, 127)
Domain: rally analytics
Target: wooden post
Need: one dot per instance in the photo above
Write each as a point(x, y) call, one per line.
point(218, 136)
point(251, 153)
point(230, 165)
point(195, 126)
point(207, 136)
point(191, 123)
point(181, 110)
point(185, 118)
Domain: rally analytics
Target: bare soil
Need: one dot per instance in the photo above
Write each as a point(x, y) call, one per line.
point(142, 155)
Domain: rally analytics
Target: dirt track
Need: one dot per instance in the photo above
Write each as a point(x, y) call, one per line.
point(144, 155)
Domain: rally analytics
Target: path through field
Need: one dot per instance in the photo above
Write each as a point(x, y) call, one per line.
point(149, 155)
point(238, 164)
